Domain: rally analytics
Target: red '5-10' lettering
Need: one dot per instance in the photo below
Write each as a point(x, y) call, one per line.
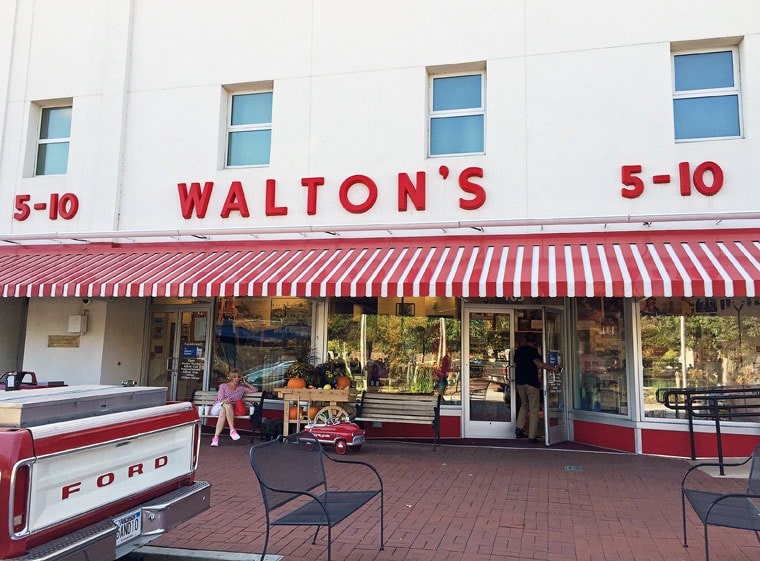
point(64, 206)
point(707, 179)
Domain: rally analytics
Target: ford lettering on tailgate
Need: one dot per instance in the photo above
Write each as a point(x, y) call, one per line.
point(83, 480)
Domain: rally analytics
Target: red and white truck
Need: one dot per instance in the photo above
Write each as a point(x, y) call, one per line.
point(93, 472)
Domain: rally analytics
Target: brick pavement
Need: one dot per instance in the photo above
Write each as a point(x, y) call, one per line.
point(474, 503)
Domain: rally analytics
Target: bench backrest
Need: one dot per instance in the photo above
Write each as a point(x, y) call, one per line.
point(380, 404)
point(753, 483)
point(286, 466)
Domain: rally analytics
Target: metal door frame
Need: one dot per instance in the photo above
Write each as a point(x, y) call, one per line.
point(506, 429)
point(558, 433)
point(178, 309)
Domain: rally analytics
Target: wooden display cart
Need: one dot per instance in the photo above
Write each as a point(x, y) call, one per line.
point(308, 396)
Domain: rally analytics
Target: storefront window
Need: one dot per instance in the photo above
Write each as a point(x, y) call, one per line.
point(602, 383)
point(261, 337)
point(398, 344)
point(698, 343)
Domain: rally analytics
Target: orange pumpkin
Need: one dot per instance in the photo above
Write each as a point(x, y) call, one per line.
point(313, 412)
point(296, 383)
point(342, 382)
point(294, 412)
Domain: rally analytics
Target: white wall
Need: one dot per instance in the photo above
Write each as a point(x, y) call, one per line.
point(575, 90)
point(11, 323)
point(49, 316)
point(108, 353)
point(123, 341)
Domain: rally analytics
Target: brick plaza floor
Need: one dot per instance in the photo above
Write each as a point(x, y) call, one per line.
point(477, 503)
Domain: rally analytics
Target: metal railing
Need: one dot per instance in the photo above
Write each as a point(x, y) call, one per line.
point(719, 403)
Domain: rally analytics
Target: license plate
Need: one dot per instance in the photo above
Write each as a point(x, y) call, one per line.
point(128, 526)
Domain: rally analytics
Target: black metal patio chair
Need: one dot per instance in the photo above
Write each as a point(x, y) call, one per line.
point(293, 468)
point(732, 510)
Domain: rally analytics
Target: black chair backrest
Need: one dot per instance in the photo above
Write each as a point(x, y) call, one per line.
point(753, 483)
point(287, 466)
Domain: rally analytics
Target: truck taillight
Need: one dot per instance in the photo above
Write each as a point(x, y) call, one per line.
point(20, 498)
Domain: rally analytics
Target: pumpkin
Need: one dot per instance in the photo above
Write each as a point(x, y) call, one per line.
point(313, 412)
point(294, 412)
point(342, 382)
point(296, 383)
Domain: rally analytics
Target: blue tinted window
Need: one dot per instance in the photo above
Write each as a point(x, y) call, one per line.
point(52, 159)
point(249, 109)
point(457, 92)
point(456, 135)
point(56, 123)
point(249, 148)
point(706, 117)
point(702, 71)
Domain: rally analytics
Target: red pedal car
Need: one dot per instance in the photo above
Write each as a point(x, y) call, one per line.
point(343, 434)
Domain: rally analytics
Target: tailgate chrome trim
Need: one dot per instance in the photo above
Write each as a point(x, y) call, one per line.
point(98, 541)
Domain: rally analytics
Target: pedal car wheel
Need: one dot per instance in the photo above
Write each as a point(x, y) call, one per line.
point(330, 414)
point(356, 448)
point(341, 447)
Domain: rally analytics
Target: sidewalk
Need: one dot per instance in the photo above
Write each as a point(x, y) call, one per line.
point(474, 503)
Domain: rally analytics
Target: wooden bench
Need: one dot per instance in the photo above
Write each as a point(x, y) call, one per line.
point(728, 509)
point(204, 401)
point(402, 408)
point(293, 467)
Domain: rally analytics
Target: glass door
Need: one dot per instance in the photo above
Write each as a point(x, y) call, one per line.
point(488, 395)
point(555, 410)
point(177, 350)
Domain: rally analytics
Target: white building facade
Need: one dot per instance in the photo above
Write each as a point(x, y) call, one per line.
point(191, 187)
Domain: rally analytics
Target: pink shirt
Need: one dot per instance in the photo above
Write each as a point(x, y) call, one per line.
point(226, 392)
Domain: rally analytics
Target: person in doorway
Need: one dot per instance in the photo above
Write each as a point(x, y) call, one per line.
point(224, 405)
point(528, 366)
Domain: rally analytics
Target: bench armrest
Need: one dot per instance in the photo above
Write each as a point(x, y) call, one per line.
point(356, 462)
point(712, 464)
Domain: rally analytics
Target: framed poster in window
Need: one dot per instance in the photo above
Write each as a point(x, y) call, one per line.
point(404, 309)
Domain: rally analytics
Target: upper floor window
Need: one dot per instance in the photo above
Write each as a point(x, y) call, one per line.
point(249, 129)
point(457, 114)
point(706, 94)
point(53, 141)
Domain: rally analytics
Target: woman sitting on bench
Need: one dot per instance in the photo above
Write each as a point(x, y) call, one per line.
point(229, 395)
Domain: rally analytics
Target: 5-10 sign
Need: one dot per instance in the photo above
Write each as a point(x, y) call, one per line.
point(58, 206)
point(707, 179)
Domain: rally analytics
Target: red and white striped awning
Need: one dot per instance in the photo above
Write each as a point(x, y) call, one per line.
point(638, 264)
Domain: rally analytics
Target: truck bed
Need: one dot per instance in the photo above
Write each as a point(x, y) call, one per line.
point(28, 408)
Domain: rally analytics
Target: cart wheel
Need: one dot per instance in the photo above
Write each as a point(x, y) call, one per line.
point(341, 447)
point(330, 414)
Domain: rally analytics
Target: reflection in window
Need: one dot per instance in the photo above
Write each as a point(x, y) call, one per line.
point(706, 94)
point(397, 345)
point(457, 115)
point(249, 129)
point(261, 337)
point(53, 143)
point(698, 343)
point(602, 383)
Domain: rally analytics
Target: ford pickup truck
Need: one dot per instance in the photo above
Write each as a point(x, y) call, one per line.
point(94, 472)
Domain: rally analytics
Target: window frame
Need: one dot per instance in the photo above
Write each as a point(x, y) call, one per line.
point(39, 141)
point(230, 128)
point(448, 113)
point(709, 92)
